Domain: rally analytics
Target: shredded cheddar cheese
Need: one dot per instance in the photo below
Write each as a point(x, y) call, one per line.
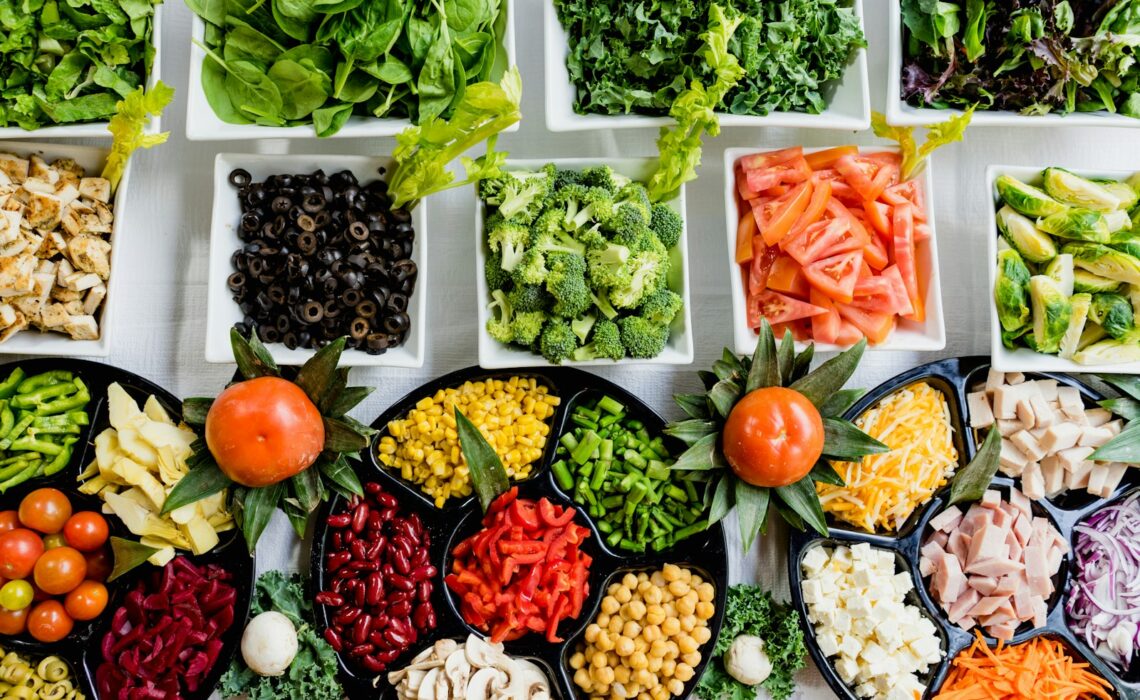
point(883, 490)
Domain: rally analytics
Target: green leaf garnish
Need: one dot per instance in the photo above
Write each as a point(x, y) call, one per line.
point(751, 511)
point(486, 470)
point(842, 440)
point(256, 506)
point(200, 482)
point(971, 483)
point(317, 376)
point(802, 499)
point(128, 555)
point(252, 357)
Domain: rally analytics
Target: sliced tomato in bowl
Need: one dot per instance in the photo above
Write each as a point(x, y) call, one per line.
point(778, 308)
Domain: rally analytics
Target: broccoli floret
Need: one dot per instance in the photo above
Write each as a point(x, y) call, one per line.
point(509, 238)
point(567, 284)
point(497, 277)
point(526, 326)
point(635, 198)
point(555, 242)
point(666, 225)
point(602, 176)
point(563, 179)
point(532, 268)
point(660, 307)
point(607, 265)
point(490, 188)
point(557, 341)
point(606, 343)
point(645, 274)
point(582, 325)
point(597, 205)
point(523, 196)
point(642, 338)
point(499, 325)
point(627, 228)
point(604, 306)
point(528, 297)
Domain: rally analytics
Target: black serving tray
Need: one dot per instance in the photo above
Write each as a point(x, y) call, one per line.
point(955, 377)
point(82, 648)
point(704, 553)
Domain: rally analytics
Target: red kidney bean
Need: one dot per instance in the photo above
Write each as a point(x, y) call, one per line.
point(387, 500)
point(387, 514)
point(337, 540)
point(362, 650)
point(419, 557)
point(373, 664)
point(380, 621)
point(359, 598)
point(402, 582)
point(329, 598)
point(423, 591)
point(359, 550)
point(361, 628)
point(375, 549)
point(401, 609)
point(334, 639)
point(421, 573)
point(387, 656)
point(374, 588)
point(346, 616)
point(338, 559)
point(372, 488)
point(400, 624)
point(348, 537)
point(374, 521)
point(420, 616)
point(396, 637)
point(340, 520)
point(360, 518)
point(400, 563)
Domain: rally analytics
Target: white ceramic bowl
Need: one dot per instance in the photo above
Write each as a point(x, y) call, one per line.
point(32, 342)
point(902, 114)
point(203, 125)
point(1024, 359)
point(908, 335)
point(222, 311)
point(679, 349)
point(849, 108)
point(97, 129)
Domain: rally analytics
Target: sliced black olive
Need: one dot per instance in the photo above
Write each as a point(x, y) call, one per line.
point(240, 177)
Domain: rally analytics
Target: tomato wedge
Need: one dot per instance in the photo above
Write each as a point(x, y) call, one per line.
point(836, 276)
point(922, 233)
point(884, 294)
point(778, 308)
point(879, 216)
point(911, 192)
point(757, 161)
point(827, 157)
point(817, 205)
point(876, 327)
point(762, 258)
point(824, 327)
point(886, 157)
point(860, 173)
point(875, 253)
point(790, 206)
point(849, 334)
point(809, 244)
point(788, 277)
point(746, 193)
point(745, 232)
point(904, 256)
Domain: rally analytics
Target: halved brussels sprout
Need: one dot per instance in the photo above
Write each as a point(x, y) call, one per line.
point(1124, 193)
point(1113, 351)
point(1118, 222)
point(1113, 313)
point(1071, 341)
point(1051, 313)
point(1073, 189)
point(1060, 269)
point(1085, 281)
point(1010, 338)
point(1104, 261)
point(1020, 232)
point(1130, 247)
point(1026, 199)
point(1011, 292)
point(1092, 334)
point(1077, 224)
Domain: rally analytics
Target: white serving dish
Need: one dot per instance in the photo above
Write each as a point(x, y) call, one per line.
point(97, 129)
point(900, 113)
point(31, 341)
point(203, 125)
point(1024, 359)
point(679, 349)
point(848, 110)
point(222, 311)
point(908, 335)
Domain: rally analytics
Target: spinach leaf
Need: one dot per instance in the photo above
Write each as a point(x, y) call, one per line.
point(436, 82)
point(303, 89)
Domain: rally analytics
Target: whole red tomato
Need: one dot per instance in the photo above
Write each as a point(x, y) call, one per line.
point(19, 550)
point(60, 570)
point(262, 431)
point(99, 564)
point(49, 622)
point(87, 601)
point(45, 510)
point(9, 520)
point(86, 531)
point(773, 437)
point(13, 622)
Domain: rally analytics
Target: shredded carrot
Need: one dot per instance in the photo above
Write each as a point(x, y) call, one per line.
point(1039, 668)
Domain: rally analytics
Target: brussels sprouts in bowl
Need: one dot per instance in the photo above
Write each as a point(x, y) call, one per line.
point(1064, 258)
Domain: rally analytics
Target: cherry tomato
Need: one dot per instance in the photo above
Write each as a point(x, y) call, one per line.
point(16, 595)
point(53, 541)
point(262, 431)
point(100, 564)
point(45, 510)
point(49, 622)
point(773, 437)
point(86, 531)
point(87, 601)
point(9, 520)
point(19, 550)
point(13, 622)
point(37, 593)
point(58, 571)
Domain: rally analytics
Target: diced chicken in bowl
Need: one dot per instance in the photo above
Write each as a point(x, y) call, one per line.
point(55, 256)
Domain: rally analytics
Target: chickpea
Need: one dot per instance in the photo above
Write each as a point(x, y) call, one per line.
point(623, 595)
point(676, 687)
point(605, 641)
point(613, 588)
point(658, 649)
point(603, 675)
point(652, 633)
point(621, 674)
point(643, 585)
point(623, 646)
point(705, 610)
point(658, 579)
point(688, 623)
point(645, 678)
point(577, 660)
point(693, 659)
point(610, 605)
point(602, 620)
point(687, 575)
point(655, 663)
point(592, 633)
point(668, 666)
point(635, 609)
point(678, 588)
point(654, 615)
point(687, 644)
point(660, 693)
point(616, 624)
point(641, 645)
point(629, 581)
point(598, 659)
point(642, 576)
point(671, 626)
point(632, 689)
point(582, 679)
point(683, 672)
point(653, 595)
point(706, 592)
point(671, 572)
point(673, 652)
point(670, 609)
point(702, 635)
point(612, 659)
point(631, 629)
point(686, 606)
point(638, 660)
point(643, 695)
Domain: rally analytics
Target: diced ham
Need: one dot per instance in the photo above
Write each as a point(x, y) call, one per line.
point(1056, 556)
point(947, 520)
point(966, 623)
point(1018, 500)
point(1040, 612)
point(984, 585)
point(987, 544)
point(959, 545)
point(1004, 631)
point(1037, 571)
point(1007, 585)
point(958, 609)
point(991, 499)
point(949, 581)
point(1033, 482)
point(941, 538)
point(1023, 528)
point(996, 567)
point(987, 605)
point(1023, 603)
point(981, 415)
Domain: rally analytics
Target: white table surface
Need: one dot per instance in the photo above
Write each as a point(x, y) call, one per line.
point(159, 329)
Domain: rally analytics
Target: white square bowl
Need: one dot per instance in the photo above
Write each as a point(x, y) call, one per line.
point(900, 113)
point(679, 349)
point(32, 342)
point(1024, 359)
point(908, 335)
point(222, 311)
point(203, 125)
point(848, 109)
point(98, 129)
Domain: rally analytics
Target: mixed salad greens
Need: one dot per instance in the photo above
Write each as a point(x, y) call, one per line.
point(639, 57)
point(1032, 57)
point(71, 62)
point(287, 63)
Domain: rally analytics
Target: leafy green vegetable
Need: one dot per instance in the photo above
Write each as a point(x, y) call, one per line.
point(638, 57)
point(751, 610)
point(423, 152)
point(487, 473)
point(70, 62)
point(971, 483)
point(313, 673)
point(127, 127)
point(937, 135)
point(288, 63)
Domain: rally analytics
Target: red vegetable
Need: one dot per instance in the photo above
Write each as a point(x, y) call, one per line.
point(524, 571)
point(166, 636)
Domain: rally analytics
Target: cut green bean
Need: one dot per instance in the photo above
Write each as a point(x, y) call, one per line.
point(11, 384)
point(610, 406)
point(562, 475)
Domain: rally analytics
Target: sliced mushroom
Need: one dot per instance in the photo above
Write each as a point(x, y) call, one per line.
point(481, 683)
point(458, 670)
point(427, 686)
point(481, 653)
point(442, 686)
